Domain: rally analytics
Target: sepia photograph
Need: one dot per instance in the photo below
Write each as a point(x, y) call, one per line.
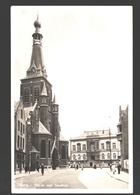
point(71, 99)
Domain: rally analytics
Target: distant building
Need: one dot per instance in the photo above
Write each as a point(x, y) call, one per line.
point(20, 136)
point(122, 135)
point(98, 147)
point(42, 141)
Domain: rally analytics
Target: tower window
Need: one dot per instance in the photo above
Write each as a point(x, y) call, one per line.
point(44, 100)
point(26, 95)
point(36, 94)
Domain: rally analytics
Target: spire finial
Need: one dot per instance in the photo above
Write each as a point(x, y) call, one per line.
point(37, 24)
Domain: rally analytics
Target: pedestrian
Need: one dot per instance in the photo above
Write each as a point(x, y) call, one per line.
point(82, 167)
point(42, 169)
point(113, 168)
point(110, 165)
point(95, 166)
point(38, 168)
point(119, 167)
point(26, 168)
point(77, 166)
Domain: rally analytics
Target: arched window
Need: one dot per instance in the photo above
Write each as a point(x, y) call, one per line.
point(79, 157)
point(63, 152)
point(74, 157)
point(43, 148)
point(44, 100)
point(108, 155)
point(36, 94)
point(84, 157)
point(108, 145)
point(103, 156)
point(78, 147)
point(114, 155)
point(26, 95)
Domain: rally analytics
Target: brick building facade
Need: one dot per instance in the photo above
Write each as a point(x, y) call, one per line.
point(43, 141)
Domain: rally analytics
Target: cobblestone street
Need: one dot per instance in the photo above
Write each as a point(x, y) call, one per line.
point(89, 178)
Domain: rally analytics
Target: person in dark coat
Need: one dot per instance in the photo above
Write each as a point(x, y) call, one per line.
point(38, 168)
point(42, 169)
point(77, 166)
point(26, 168)
point(119, 168)
point(95, 166)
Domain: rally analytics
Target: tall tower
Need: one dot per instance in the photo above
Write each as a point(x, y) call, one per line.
point(31, 85)
point(36, 92)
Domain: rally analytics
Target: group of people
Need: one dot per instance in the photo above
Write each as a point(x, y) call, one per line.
point(42, 169)
point(113, 167)
point(38, 167)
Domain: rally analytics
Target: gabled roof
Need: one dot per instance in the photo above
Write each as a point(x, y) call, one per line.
point(16, 104)
point(54, 100)
point(29, 109)
point(33, 149)
point(42, 130)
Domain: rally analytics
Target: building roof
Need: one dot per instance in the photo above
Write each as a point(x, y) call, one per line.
point(33, 149)
point(82, 136)
point(16, 104)
point(42, 130)
point(94, 134)
point(29, 109)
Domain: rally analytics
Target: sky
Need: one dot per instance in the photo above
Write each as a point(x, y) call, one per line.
point(87, 53)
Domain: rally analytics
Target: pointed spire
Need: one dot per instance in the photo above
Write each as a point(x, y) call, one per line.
point(44, 91)
point(54, 100)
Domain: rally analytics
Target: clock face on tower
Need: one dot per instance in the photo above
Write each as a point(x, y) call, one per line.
point(33, 70)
